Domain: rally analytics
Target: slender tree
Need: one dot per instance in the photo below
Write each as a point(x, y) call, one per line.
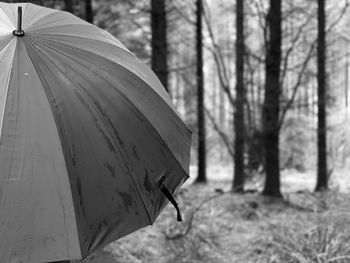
point(322, 175)
point(271, 102)
point(238, 181)
point(89, 17)
point(201, 178)
point(69, 6)
point(159, 41)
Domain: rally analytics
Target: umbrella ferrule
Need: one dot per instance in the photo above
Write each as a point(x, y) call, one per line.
point(19, 32)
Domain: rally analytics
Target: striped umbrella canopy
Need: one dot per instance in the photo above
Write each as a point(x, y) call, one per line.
point(91, 146)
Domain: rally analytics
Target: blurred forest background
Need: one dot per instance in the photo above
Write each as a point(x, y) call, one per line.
point(264, 86)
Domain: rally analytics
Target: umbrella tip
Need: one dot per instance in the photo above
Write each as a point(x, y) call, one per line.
point(19, 32)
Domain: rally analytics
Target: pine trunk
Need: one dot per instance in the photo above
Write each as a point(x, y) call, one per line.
point(159, 41)
point(322, 176)
point(238, 181)
point(271, 103)
point(88, 11)
point(201, 178)
point(69, 6)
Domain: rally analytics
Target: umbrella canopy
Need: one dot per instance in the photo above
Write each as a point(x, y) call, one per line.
point(89, 138)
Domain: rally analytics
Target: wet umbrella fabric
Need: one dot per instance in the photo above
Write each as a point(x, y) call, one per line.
point(88, 138)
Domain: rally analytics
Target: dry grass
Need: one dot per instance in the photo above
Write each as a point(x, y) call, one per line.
point(326, 242)
point(320, 237)
point(306, 227)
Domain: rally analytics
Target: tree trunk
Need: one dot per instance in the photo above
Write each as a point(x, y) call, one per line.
point(322, 176)
point(88, 11)
point(69, 6)
point(238, 181)
point(271, 103)
point(159, 41)
point(201, 178)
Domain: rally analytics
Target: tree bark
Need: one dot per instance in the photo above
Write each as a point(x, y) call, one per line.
point(69, 6)
point(159, 41)
point(271, 102)
point(238, 181)
point(88, 11)
point(322, 174)
point(201, 178)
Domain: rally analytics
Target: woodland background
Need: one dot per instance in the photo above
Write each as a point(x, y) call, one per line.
point(264, 86)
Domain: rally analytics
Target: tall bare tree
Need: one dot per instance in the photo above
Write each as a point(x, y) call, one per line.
point(322, 174)
point(89, 16)
point(271, 103)
point(201, 178)
point(238, 181)
point(159, 41)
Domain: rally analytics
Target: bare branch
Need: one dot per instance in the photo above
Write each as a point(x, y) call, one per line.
point(222, 135)
point(291, 48)
point(262, 20)
point(181, 13)
point(343, 12)
point(297, 84)
point(251, 54)
point(218, 58)
point(140, 6)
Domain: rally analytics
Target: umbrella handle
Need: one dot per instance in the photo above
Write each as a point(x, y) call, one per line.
point(170, 197)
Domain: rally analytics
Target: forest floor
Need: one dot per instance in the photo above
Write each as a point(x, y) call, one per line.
point(220, 226)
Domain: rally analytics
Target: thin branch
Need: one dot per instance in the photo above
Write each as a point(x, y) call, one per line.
point(181, 13)
point(222, 135)
point(136, 5)
point(297, 84)
point(291, 48)
point(225, 86)
point(258, 58)
point(262, 21)
point(219, 61)
point(339, 18)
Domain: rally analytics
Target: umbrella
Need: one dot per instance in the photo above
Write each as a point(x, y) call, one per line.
point(91, 146)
